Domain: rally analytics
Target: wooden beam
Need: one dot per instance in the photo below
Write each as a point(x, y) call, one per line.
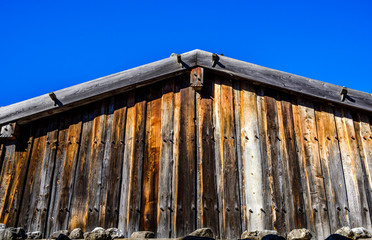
point(290, 82)
point(97, 89)
point(177, 64)
point(8, 131)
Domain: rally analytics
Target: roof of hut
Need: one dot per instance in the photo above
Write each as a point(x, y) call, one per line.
point(177, 64)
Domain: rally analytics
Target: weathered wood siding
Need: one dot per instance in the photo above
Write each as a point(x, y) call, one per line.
point(232, 157)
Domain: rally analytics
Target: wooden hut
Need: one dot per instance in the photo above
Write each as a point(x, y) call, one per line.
point(194, 140)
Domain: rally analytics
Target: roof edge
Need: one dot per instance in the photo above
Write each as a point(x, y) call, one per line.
point(103, 87)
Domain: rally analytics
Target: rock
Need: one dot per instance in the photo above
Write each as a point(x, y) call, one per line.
point(98, 229)
point(115, 233)
point(299, 234)
point(202, 232)
point(13, 234)
point(77, 233)
point(56, 234)
point(97, 235)
point(34, 235)
point(360, 232)
point(254, 235)
point(143, 234)
point(337, 237)
point(345, 231)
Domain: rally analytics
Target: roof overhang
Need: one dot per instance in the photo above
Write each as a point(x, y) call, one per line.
point(100, 88)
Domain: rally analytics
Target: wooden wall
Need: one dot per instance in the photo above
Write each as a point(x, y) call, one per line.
point(168, 159)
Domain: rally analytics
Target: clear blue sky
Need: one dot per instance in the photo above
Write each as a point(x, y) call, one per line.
point(49, 45)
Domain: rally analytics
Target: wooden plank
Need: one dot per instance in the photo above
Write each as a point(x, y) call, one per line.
point(331, 167)
point(207, 201)
point(364, 136)
point(285, 81)
point(262, 123)
point(150, 179)
point(227, 176)
point(314, 191)
point(176, 155)
point(10, 208)
point(38, 221)
point(96, 90)
point(166, 161)
point(70, 127)
point(352, 165)
point(287, 210)
point(112, 162)
point(78, 208)
point(29, 207)
point(295, 203)
point(95, 169)
point(184, 220)
point(7, 173)
point(250, 157)
point(130, 198)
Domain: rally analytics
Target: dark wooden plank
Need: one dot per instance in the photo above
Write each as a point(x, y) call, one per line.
point(29, 210)
point(207, 201)
point(274, 163)
point(352, 165)
point(184, 220)
point(364, 138)
point(250, 156)
point(228, 180)
point(64, 173)
point(295, 206)
point(286, 81)
point(331, 167)
point(112, 162)
point(96, 90)
point(10, 208)
point(166, 160)
point(313, 185)
point(130, 198)
point(150, 179)
point(78, 207)
point(262, 124)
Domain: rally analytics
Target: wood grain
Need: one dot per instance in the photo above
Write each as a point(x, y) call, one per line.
point(207, 201)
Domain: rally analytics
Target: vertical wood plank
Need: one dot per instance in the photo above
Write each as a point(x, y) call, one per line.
point(166, 160)
point(251, 160)
point(307, 144)
point(95, 169)
point(275, 165)
point(207, 202)
point(150, 179)
point(331, 167)
point(12, 202)
point(130, 198)
point(364, 136)
point(295, 202)
point(184, 220)
point(64, 173)
point(112, 162)
point(351, 161)
point(7, 174)
point(262, 123)
point(227, 176)
point(78, 207)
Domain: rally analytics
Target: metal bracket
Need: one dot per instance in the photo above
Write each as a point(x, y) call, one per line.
point(8, 131)
point(343, 94)
point(197, 78)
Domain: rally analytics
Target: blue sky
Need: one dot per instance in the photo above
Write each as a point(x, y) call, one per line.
point(49, 45)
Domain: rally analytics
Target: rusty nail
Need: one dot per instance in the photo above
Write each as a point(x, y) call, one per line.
point(336, 138)
point(121, 141)
point(347, 209)
point(305, 139)
point(315, 138)
point(170, 209)
point(328, 138)
point(262, 210)
point(365, 209)
point(278, 138)
point(250, 210)
point(338, 209)
point(256, 136)
point(315, 210)
point(246, 137)
point(352, 137)
point(161, 209)
point(325, 209)
point(276, 209)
